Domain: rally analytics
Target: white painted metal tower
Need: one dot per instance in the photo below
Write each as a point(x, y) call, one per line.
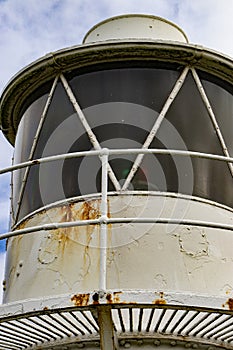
point(122, 196)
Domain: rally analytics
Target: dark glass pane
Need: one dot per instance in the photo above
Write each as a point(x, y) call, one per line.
point(115, 103)
point(188, 115)
point(142, 86)
point(221, 101)
point(121, 106)
point(60, 126)
point(25, 136)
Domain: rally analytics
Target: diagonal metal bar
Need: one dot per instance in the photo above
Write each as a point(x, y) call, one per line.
point(212, 116)
point(34, 144)
point(87, 127)
point(156, 126)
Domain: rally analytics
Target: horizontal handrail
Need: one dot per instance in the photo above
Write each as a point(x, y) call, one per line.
point(116, 152)
point(105, 220)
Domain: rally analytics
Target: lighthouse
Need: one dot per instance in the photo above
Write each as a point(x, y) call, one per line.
point(122, 193)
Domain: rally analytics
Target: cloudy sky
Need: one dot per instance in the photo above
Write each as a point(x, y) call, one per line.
point(30, 29)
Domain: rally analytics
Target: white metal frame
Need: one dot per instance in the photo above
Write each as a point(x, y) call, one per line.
point(56, 321)
point(94, 141)
point(154, 319)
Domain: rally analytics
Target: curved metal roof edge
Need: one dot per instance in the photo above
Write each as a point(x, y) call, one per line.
point(47, 67)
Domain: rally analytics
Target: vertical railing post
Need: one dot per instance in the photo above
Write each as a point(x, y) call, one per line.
point(103, 221)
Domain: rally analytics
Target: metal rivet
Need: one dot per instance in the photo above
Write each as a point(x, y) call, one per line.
point(127, 345)
point(173, 343)
point(101, 294)
point(157, 342)
point(80, 345)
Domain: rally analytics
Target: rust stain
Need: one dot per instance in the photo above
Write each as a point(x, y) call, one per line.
point(229, 303)
point(159, 302)
point(109, 298)
point(116, 297)
point(61, 239)
point(80, 299)
point(88, 210)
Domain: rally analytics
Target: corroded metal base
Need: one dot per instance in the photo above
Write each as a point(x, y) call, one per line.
point(117, 319)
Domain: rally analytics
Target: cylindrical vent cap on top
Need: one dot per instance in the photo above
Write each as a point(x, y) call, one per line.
point(135, 27)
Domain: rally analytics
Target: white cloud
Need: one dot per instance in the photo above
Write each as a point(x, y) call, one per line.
point(208, 23)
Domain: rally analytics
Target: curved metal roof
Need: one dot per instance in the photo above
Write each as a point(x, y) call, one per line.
point(44, 69)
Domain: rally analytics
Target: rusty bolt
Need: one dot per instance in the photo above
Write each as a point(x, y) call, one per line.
point(101, 294)
point(95, 297)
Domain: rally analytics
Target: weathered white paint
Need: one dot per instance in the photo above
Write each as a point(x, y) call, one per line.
point(168, 258)
point(135, 27)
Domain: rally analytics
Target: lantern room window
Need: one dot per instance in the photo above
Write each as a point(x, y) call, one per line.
point(121, 104)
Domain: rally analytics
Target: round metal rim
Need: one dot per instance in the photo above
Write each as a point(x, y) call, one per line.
point(134, 15)
point(168, 317)
point(77, 57)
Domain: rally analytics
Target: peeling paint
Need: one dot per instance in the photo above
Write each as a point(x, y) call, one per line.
point(229, 304)
point(193, 242)
point(61, 240)
point(80, 299)
point(160, 281)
